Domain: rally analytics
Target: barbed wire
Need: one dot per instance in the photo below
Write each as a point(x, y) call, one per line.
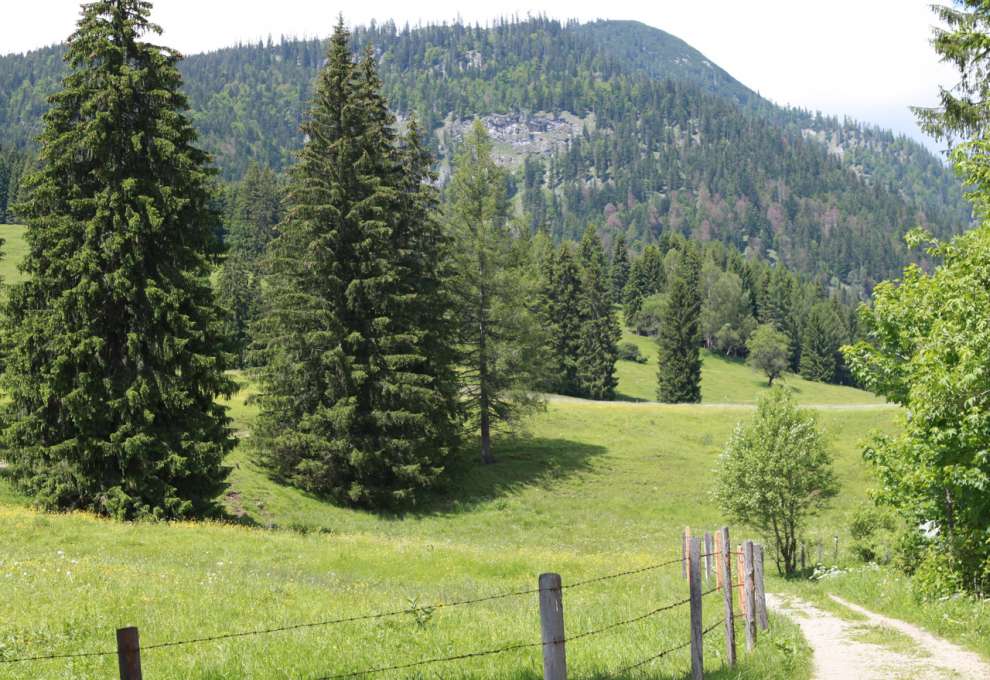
point(345, 619)
point(508, 648)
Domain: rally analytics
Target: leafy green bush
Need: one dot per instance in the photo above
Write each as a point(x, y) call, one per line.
point(629, 351)
point(873, 531)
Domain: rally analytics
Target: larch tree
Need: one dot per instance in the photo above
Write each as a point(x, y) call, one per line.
point(359, 399)
point(500, 335)
point(112, 367)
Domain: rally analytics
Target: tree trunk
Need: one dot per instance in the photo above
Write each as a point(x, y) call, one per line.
point(486, 436)
point(484, 404)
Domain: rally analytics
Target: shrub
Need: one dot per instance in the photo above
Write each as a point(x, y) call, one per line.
point(629, 351)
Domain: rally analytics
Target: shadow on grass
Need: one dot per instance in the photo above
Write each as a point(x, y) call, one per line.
point(519, 462)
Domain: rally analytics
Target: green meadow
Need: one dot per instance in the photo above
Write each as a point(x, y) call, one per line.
point(582, 488)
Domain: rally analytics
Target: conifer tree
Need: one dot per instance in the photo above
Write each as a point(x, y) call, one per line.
point(359, 398)
point(619, 271)
point(111, 343)
point(679, 359)
point(255, 208)
point(820, 342)
point(600, 332)
point(562, 314)
point(502, 338)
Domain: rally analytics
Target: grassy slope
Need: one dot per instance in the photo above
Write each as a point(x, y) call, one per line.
point(727, 381)
point(590, 488)
point(14, 249)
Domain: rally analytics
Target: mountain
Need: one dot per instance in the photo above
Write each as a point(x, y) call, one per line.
point(611, 123)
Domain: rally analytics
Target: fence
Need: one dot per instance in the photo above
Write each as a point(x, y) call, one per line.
point(717, 555)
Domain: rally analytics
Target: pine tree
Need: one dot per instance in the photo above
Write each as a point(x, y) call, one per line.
point(501, 337)
point(679, 358)
point(600, 332)
point(359, 398)
point(562, 316)
point(115, 410)
point(619, 271)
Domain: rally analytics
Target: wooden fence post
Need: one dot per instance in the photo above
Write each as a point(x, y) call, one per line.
point(694, 586)
point(760, 592)
point(836, 558)
point(709, 549)
point(129, 653)
point(725, 574)
point(738, 585)
point(552, 627)
point(803, 567)
point(718, 559)
point(749, 592)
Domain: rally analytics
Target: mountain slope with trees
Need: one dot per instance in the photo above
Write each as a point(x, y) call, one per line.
point(669, 142)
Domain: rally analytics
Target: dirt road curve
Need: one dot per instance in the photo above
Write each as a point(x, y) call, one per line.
point(839, 655)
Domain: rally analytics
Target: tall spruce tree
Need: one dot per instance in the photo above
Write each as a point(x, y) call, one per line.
point(619, 269)
point(600, 333)
point(562, 313)
point(111, 343)
point(501, 337)
point(359, 397)
point(679, 358)
point(820, 342)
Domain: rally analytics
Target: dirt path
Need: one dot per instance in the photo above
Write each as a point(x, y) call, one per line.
point(559, 398)
point(876, 647)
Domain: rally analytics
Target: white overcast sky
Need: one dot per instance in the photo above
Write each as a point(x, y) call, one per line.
point(869, 59)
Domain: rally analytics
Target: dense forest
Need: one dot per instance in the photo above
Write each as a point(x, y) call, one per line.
point(610, 123)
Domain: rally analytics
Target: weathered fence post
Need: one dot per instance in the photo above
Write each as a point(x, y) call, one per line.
point(738, 586)
point(129, 653)
point(725, 574)
point(803, 567)
point(749, 595)
point(836, 557)
point(708, 555)
point(718, 559)
point(761, 594)
point(552, 627)
point(694, 586)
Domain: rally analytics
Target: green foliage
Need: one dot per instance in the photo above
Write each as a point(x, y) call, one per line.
point(775, 472)
point(963, 40)
point(358, 391)
point(254, 209)
point(926, 349)
point(629, 351)
point(501, 336)
point(874, 533)
point(822, 336)
point(679, 340)
point(727, 312)
point(600, 331)
point(562, 318)
point(648, 319)
point(112, 342)
point(751, 175)
point(768, 349)
point(619, 268)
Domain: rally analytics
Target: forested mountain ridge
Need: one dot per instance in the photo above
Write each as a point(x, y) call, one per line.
point(676, 143)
